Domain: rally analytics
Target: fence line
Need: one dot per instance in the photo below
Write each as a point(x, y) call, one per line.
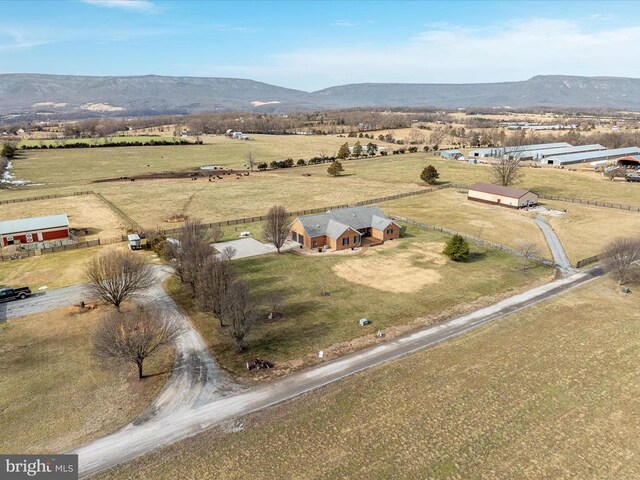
point(133, 225)
point(471, 238)
point(588, 261)
point(45, 197)
point(594, 203)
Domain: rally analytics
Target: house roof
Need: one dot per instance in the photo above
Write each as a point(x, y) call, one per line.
point(334, 223)
point(34, 223)
point(498, 190)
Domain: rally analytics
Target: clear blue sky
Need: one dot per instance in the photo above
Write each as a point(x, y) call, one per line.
point(312, 45)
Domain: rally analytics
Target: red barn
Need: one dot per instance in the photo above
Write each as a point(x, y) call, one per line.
point(33, 230)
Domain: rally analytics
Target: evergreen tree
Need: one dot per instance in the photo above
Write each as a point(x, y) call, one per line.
point(335, 168)
point(429, 174)
point(457, 249)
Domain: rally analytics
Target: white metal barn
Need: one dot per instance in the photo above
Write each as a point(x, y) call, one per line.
point(499, 151)
point(541, 155)
point(502, 196)
point(592, 156)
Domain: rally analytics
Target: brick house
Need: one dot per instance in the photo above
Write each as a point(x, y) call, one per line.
point(343, 228)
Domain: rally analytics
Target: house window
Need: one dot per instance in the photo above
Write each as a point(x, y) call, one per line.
point(345, 241)
point(390, 231)
point(355, 239)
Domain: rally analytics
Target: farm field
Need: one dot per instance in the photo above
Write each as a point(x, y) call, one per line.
point(97, 141)
point(586, 230)
point(53, 270)
point(543, 393)
point(72, 166)
point(403, 282)
point(54, 393)
point(84, 212)
point(450, 207)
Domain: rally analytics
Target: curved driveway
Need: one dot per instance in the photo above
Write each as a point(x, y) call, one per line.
point(134, 441)
point(559, 256)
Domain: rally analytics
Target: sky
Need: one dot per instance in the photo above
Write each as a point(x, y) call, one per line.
point(316, 44)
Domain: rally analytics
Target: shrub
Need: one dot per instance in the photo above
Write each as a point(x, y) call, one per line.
point(429, 174)
point(457, 249)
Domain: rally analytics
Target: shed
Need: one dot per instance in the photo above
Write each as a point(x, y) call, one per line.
point(502, 196)
point(35, 229)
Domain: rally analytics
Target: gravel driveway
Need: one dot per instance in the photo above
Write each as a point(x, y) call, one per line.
point(250, 247)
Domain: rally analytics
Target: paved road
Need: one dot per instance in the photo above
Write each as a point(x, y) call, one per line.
point(129, 443)
point(559, 257)
point(250, 247)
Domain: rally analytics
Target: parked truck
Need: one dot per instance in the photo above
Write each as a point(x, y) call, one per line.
point(8, 294)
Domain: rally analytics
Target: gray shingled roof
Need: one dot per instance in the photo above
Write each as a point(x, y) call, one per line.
point(35, 223)
point(333, 223)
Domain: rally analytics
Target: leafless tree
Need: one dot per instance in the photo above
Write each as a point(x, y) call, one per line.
point(276, 228)
point(274, 301)
point(215, 234)
point(621, 256)
point(251, 161)
point(229, 252)
point(214, 279)
point(529, 251)
point(192, 252)
point(116, 275)
point(506, 170)
point(437, 135)
point(238, 312)
point(133, 336)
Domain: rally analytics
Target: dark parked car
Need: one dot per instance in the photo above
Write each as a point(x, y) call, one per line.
point(8, 294)
point(632, 178)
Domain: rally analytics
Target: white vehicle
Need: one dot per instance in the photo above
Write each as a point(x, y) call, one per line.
point(134, 241)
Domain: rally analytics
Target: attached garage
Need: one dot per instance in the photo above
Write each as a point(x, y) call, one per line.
point(34, 230)
point(502, 196)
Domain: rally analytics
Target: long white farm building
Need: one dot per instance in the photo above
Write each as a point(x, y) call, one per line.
point(592, 156)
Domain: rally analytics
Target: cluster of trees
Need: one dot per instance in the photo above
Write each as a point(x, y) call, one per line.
point(127, 335)
point(8, 150)
point(357, 151)
point(109, 142)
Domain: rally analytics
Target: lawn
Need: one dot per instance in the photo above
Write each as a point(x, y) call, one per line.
point(585, 231)
point(53, 270)
point(400, 283)
point(97, 141)
point(54, 394)
point(548, 392)
point(450, 208)
point(84, 212)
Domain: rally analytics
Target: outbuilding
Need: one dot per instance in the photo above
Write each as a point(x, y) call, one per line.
point(34, 230)
point(454, 154)
point(502, 196)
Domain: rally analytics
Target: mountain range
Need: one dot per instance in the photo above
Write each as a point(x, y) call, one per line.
point(24, 96)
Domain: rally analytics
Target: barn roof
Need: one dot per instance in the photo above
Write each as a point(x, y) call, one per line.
point(334, 222)
point(34, 223)
point(498, 190)
point(600, 154)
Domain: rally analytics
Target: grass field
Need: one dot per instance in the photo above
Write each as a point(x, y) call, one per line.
point(54, 394)
point(96, 141)
point(543, 393)
point(451, 208)
point(53, 270)
point(84, 212)
point(585, 230)
point(391, 285)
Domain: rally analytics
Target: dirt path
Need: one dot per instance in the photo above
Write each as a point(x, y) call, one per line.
point(559, 255)
point(131, 442)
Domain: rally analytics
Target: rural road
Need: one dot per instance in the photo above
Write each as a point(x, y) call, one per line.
point(133, 441)
point(559, 256)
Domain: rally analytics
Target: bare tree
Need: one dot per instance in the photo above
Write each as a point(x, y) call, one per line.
point(214, 279)
point(133, 336)
point(506, 170)
point(116, 275)
point(229, 252)
point(274, 301)
point(192, 251)
point(276, 229)
point(251, 161)
point(238, 312)
point(621, 257)
point(529, 251)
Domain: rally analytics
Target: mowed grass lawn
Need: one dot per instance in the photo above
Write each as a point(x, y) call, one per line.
point(549, 392)
point(451, 208)
point(54, 394)
point(391, 285)
point(585, 231)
